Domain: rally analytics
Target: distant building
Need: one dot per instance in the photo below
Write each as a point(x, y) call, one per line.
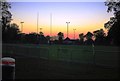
point(67, 41)
point(54, 38)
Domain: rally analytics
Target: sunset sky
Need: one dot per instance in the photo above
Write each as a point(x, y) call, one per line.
point(83, 16)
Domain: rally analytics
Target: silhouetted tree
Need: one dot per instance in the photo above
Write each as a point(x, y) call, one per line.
point(6, 18)
point(12, 32)
point(41, 33)
point(89, 40)
point(48, 39)
point(31, 38)
point(22, 37)
point(42, 38)
point(99, 37)
point(81, 36)
point(60, 37)
point(113, 25)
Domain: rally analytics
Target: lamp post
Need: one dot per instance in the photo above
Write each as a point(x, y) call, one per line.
point(21, 26)
point(51, 24)
point(40, 29)
point(40, 34)
point(37, 21)
point(74, 33)
point(67, 28)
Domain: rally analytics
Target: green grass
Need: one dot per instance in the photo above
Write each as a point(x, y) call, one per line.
point(104, 55)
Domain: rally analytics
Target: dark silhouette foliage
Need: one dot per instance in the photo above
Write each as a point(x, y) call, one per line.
point(113, 25)
point(60, 37)
point(99, 37)
point(89, 40)
point(81, 41)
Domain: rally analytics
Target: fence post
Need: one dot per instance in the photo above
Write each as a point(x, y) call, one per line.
point(8, 69)
point(71, 56)
point(93, 47)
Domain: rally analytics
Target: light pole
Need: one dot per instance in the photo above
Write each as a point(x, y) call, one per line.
point(74, 33)
point(40, 29)
point(37, 21)
point(40, 33)
point(67, 27)
point(21, 26)
point(51, 24)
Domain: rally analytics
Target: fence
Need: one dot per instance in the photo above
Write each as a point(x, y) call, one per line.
point(100, 55)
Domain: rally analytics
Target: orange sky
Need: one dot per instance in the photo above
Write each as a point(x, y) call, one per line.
point(84, 17)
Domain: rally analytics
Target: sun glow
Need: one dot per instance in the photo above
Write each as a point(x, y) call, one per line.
point(84, 17)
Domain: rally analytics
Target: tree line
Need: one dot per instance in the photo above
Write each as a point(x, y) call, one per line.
point(12, 34)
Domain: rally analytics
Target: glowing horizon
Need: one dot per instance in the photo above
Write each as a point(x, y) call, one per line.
point(83, 16)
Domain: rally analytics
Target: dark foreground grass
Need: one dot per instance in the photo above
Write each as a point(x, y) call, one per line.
point(36, 68)
point(102, 55)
